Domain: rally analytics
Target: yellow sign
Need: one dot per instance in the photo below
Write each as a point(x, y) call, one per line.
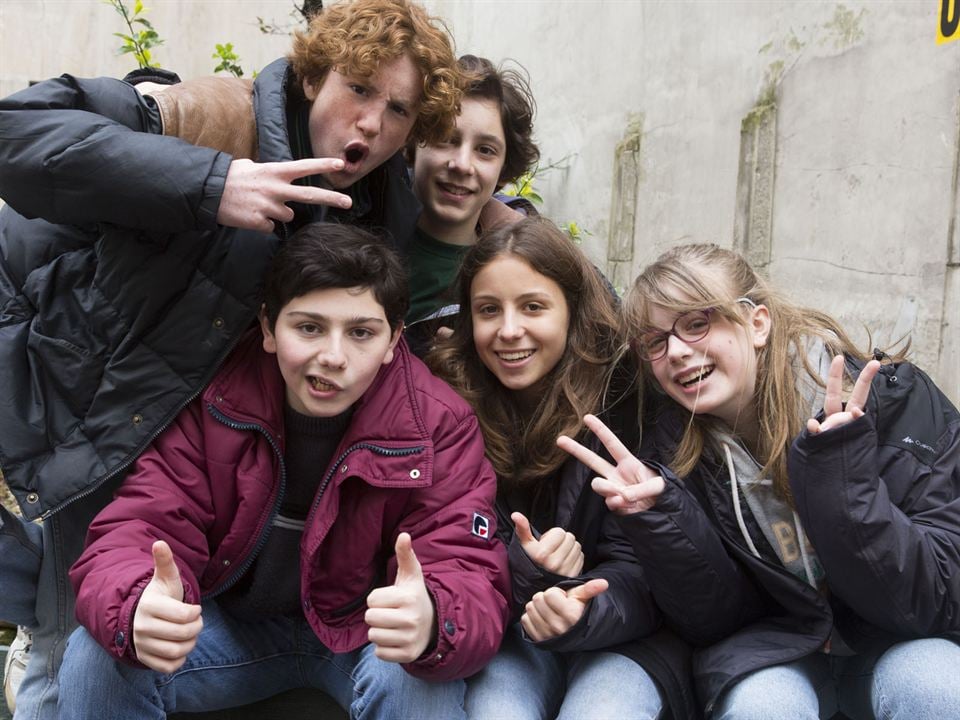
point(948, 25)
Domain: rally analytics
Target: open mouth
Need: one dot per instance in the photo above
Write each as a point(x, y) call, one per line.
point(515, 356)
point(693, 377)
point(321, 385)
point(355, 153)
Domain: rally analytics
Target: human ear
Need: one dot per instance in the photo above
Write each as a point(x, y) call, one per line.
point(388, 356)
point(269, 339)
point(760, 325)
point(310, 89)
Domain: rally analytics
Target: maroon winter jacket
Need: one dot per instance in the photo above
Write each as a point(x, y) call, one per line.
point(411, 460)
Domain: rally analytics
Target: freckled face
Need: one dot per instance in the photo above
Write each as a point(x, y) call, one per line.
point(363, 121)
point(330, 345)
point(520, 322)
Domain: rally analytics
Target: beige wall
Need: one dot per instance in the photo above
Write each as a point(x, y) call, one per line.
point(820, 138)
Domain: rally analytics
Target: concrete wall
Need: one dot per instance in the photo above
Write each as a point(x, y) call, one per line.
point(820, 138)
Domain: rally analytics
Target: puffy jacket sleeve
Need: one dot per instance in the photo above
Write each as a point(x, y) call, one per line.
point(703, 592)
point(886, 525)
point(166, 497)
point(453, 526)
point(78, 151)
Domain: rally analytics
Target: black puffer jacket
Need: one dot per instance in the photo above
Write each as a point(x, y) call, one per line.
point(623, 619)
point(119, 293)
point(879, 499)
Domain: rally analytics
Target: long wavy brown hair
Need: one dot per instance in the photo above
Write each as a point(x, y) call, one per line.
point(698, 276)
point(521, 440)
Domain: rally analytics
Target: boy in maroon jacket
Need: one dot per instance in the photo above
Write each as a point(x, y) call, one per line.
point(320, 516)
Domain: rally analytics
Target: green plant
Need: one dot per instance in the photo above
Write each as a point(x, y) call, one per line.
point(523, 187)
point(229, 60)
point(139, 41)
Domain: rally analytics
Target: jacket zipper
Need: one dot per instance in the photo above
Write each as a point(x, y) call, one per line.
point(272, 512)
point(261, 541)
point(139, 449)
point(386, 452)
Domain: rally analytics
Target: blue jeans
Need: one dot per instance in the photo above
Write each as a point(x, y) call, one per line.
point(237, 663)
point(47, 588)
point(21, 547)
point(912, 680)
point(524, 682)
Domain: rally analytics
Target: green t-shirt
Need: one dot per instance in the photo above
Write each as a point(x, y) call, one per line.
point(433, 267)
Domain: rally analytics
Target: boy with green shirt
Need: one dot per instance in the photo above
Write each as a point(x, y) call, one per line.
point(491, 146)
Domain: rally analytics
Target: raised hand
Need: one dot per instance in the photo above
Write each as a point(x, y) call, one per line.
point(551, 613)
point(836, 414)
point(255, 194)
point(401, 617)
point(629, 486)
point(165, 628)
point(557, 550)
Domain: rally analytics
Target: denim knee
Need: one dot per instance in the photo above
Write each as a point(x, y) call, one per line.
point(780, 692)
point(609, 685)
point(917, 680)
point(385, 690)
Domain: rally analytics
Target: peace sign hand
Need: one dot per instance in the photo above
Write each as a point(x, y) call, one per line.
point(629, 486)
point(833, 409)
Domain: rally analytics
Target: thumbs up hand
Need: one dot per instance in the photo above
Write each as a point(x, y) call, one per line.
point(551, 613)
point(557, 550)
point(401, 617)
point(165, 628)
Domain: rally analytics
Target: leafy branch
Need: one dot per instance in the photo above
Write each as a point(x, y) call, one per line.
point(139, 41)
point(229, 60)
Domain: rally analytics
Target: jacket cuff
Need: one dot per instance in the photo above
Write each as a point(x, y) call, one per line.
point(213, 191)
point(122, 642)
point(809, 443)
point(437, 651)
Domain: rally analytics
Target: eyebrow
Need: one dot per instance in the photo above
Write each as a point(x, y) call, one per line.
point(318, 317)
point(534, 295)
point(491, 139)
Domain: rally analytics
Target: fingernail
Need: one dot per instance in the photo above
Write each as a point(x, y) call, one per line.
point(338, 164)
point(346, 203)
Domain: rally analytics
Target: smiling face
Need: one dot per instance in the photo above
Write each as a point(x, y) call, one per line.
point(520, 322)
point(330, 345)
point(363, 121)
point(717, 374)
point(455, 179)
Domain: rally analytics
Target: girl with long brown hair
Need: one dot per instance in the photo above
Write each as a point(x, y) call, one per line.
point(534, 348)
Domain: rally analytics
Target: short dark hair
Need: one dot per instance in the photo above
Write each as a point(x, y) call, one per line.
point(510, 89)
point(328, 255)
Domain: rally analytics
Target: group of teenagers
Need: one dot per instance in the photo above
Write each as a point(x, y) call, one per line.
point(537, 501)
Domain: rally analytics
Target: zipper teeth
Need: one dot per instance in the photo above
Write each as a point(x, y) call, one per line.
point(387, 452)
point(140, 447)
point(261, 541)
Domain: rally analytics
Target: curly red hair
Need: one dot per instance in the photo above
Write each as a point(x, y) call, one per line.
point(356, 37)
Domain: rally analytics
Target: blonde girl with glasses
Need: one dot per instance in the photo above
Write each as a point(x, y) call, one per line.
point(797, 509)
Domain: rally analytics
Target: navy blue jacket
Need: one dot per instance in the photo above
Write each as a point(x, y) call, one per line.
point(119, 293)
point(879, 499)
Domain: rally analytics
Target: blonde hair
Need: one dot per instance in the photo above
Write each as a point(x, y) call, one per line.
point(521, 443)
point(699, 276)
point(357, 37)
